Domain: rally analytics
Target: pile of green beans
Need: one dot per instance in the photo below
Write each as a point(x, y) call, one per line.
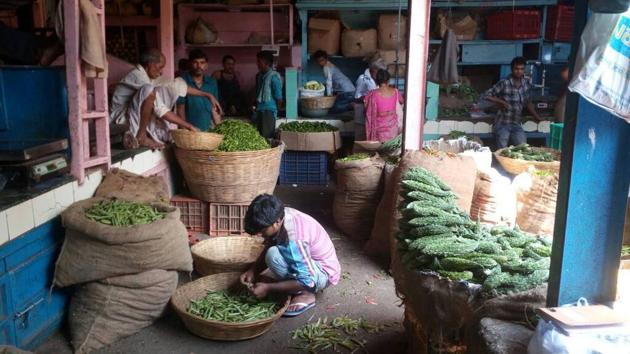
point(226, 307)
point(337, 334)
point(307, 127)
point(239, 136)
point(355, 157)
point(525, 152)
point(122, 213)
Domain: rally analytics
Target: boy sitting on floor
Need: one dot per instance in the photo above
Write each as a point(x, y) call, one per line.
point(298, 252)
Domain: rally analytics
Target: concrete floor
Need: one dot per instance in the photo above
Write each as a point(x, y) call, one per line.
point(366, 291)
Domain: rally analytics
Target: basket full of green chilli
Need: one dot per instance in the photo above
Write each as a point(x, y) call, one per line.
point(218, 307)
point(519, 159)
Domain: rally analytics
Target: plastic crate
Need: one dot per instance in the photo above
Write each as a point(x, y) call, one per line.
point(559, 25)
point(517, 24)
point(556, 136)
point(194, 212)
point(304, 167)
point(227, 219)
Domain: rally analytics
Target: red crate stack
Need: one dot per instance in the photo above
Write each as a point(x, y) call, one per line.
point(517, 24)
point(194, 212)
point(227, 219)
point(559, 25)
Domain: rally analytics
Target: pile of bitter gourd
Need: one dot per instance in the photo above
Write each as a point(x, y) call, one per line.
point(525, 152)
point(436, 235)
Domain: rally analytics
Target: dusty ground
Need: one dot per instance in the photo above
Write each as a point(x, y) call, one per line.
point(365, 291)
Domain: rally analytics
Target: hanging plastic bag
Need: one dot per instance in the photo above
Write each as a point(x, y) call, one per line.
point(603, 63)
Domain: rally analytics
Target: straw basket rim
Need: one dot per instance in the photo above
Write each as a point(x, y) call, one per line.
point(256, 242)
point(189, 140)
point(193, 323)
point(518, 166)
point(321, 102)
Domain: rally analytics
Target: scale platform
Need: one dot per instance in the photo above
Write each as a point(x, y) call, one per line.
point(26, 163)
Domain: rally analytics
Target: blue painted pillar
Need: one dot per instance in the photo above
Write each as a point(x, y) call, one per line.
point(591, 207)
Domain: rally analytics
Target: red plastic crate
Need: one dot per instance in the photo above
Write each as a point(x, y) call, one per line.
point(194, 212)
point(517, 24)
point(227, 219)
point(559, 25)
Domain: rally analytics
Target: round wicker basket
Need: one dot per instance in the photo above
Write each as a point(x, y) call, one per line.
point(518, 166)
point(226, 254)
point(230, 177)
point(219, 330)
point(322, 102)
point(185, 139)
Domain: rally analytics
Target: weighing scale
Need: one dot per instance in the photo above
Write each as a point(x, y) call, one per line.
point(26, 163)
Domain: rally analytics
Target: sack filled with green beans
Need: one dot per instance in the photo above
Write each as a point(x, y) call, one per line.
point(122, 213)
point(232, 307)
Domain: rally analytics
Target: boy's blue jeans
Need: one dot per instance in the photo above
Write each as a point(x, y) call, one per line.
point(509, 133)
point(280, 269)
point(342, 103)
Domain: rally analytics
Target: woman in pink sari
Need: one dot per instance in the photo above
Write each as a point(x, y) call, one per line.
point(381, 117)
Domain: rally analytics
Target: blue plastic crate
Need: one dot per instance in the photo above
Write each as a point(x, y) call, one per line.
point(304, 167)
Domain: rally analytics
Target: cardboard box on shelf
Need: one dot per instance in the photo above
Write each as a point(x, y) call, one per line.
point(358, 43)
point(326, 141)
point(388, 38)
point(323, 34)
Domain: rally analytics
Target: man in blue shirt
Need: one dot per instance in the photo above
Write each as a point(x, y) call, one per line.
point(268, 94)
point(198, 110)
point(336, 84)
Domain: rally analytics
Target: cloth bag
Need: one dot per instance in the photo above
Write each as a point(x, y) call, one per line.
point(603, 63)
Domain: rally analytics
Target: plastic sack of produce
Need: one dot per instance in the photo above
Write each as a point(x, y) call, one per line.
point(536, 193)
point(494, 200)
point(357, 195)
point(603, 63)
point(94, 251)
point(106, 311)
point(124, 185)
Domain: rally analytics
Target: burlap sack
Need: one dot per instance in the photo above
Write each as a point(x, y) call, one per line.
point(383, 216)
point(536, 202)
point(93, 251)
point(106, 311)
point(494, 200)
point(353, 212)
point(201, 32)
point(124, 185)
point(359, 175)
point(5, 349)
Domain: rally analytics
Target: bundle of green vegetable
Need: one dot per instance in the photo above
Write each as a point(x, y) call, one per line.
point(355, 157)
point(391, 147)
point(436, 235)
point(525, 152)
point(314, 85)
point(452, 112)
point(456, 134)
point(625, 251)
point(239, 136)
point(307, 127)
point(121, 213)
point(226, 307)
point(339, 333)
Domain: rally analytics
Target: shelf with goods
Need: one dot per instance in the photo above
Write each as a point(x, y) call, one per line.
point(240, 31)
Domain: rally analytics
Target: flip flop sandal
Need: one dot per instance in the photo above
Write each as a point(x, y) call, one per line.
point(305, 307)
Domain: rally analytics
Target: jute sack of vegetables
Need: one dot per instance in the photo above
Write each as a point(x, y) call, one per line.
point(359, 173)
point(108, 310)
point(536, 193)
point(94, 251)
point(124, 185)
point(374, 246)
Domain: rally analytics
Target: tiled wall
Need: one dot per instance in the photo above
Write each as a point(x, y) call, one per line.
point(471, 127)
point(25, 216)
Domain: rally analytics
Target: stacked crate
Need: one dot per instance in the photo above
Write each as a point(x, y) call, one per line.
point(214, 219)
point(305, 160)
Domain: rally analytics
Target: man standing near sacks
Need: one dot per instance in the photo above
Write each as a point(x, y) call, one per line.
point(511, 95)
point(144, 101)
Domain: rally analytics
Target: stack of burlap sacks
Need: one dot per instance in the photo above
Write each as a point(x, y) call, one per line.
point(123, 276)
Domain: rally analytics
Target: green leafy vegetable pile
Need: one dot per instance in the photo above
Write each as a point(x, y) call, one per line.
point(456, 134)
point(226, 307)
point(307, 127)
point(355, 157)
point(436, 235)
point(625, 251)
point(337, 334)
point(239, 136)
point(525, 152)
point(121, 213)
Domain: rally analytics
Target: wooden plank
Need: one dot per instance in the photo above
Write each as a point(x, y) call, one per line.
point(415, 92)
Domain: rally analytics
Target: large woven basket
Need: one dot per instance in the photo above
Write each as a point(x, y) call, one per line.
point(518, 166)
point(185, 139)
point(223, 254)
point(219, 330)
point(230, 177)
point(323, 102)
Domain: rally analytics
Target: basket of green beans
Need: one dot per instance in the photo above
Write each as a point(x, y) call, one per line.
point(219, 307)
point(518, 159)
